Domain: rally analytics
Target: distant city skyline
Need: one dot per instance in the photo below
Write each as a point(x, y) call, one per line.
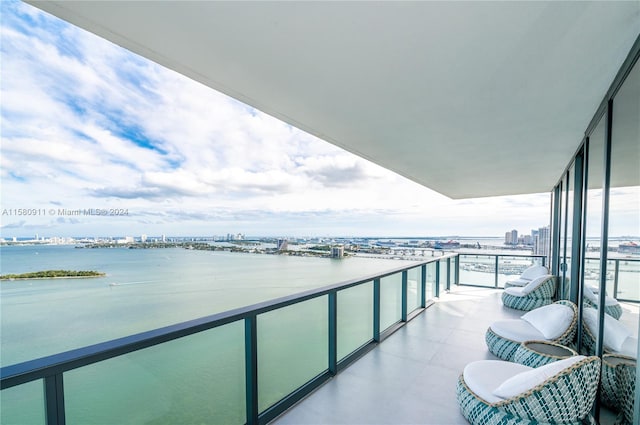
point(89, 126)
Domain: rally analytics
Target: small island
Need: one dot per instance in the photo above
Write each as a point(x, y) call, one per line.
point(52, 274)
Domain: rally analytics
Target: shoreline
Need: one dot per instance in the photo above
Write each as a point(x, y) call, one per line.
point(71, 276)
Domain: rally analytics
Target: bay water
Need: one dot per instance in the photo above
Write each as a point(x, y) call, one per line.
point(198, 379)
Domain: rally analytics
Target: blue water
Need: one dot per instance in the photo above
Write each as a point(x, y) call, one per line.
point(143, 289)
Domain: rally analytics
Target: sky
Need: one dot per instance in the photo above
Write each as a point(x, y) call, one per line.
point(87, 125)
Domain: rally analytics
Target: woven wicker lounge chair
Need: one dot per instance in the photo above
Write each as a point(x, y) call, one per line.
point(613, 390)
point(547, 323)
point(538, 292)
point(625, 394)
point(618, 348)
point(564, 397)
point(611, 306)
point(617, 338)
point(527, 276)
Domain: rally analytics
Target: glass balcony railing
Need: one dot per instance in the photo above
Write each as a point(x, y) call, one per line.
point(493, 270)
point(246, 365)
point(623, 277)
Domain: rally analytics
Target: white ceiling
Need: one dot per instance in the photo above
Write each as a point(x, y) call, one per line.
point(469, 99)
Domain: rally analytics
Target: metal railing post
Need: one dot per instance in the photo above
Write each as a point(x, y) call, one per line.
point(333, 332)
point(54, 400)
point(437, 279)
point(423, 285)
point(615, 278)
point(448, 273)
point(496, 275)
point(251, 368)
point(403, 308)
point(376, 310)
point(457, 270)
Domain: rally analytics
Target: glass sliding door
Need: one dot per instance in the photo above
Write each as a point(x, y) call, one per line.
point(593, 228)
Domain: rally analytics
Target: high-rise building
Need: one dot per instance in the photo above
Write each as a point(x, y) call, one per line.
point(337, 251)
point(511, 238)
point(541, 241)
point(143, 238)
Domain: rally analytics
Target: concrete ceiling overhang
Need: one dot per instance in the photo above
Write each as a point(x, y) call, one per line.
point(470, 99)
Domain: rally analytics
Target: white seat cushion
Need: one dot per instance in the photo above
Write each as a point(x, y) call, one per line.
point(630, 347)
point(516, 330)
point(516, 291)
point(518, 281)
point(551, 320)
point(526, 380)
point(484, 376)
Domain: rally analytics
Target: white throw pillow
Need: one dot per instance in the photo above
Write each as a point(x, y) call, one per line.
point(534, 284)
point(615, 333)
point(551, 320)
point(524, 381)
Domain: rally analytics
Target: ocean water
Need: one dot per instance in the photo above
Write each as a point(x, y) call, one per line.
point(144, 289)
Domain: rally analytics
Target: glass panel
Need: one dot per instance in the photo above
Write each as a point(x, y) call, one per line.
point(561, 235)
point(454, 261)
point(23, 404)
point(510, 268)
point(443, 275)
point(624, 219)
point(414, 288)
point(624, 201)
point(628, 287)
point(593, 224)
point(390, 300)
point(564, 283)
point(477, 270)
point(431, 280)
point(355, 318)
point(293, 348)
point(195, 379)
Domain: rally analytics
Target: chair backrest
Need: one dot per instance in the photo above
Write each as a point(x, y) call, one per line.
point(536, 283)
point(541, 402)
point(533, 272)
point(568, 337)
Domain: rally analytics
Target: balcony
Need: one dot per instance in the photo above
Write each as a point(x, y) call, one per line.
point(411, 377)
point(355, 352)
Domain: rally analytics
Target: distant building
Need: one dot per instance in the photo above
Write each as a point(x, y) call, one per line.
point(541, 242)
point(337, 251)
point(283, 244)
point(511, 238)
point(143, 238)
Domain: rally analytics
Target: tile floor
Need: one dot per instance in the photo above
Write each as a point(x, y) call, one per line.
point(410, 378)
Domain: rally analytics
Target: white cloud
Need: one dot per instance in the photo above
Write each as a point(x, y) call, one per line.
point(87, 124)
